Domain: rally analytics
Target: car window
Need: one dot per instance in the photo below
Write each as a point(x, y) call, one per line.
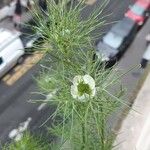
point(113, 40)
point(137, 9)
point(1, 60)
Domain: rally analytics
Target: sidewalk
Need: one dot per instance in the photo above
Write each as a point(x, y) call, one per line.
point(7, 23)
point(135, 131)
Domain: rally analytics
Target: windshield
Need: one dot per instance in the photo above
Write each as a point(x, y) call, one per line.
point(113, 40)
point(137, 9)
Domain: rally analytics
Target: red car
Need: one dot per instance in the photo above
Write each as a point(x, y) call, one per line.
point(139, 11)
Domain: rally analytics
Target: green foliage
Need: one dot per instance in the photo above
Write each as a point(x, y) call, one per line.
point(28, 142)
point(88, 118)
point(70, 50)
point(64, 29)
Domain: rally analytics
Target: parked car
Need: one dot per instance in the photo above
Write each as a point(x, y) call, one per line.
point(28, 36)
point(114, 43)
point(146, 57)
point(8, 10)
point(11, 50)
point(139, 12)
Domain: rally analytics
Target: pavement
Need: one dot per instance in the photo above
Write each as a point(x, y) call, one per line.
point(134, 133)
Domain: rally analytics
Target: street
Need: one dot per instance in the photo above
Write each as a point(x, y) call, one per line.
point(18, 86)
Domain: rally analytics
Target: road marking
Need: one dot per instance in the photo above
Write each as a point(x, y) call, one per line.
point(20, 70)
point(41, 106)
point(17, 68)
point(17, 133)
point(90, 2)
point(6, 77)
point(49, 96)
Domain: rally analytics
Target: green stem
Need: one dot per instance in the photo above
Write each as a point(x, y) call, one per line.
point(102, 129)
point(83, 136)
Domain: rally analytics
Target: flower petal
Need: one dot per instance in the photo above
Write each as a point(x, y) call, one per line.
point(83, 98)
point(93, 92)
point(77, 80)
point(89, 80)
point(86, 79)
point(74, 91)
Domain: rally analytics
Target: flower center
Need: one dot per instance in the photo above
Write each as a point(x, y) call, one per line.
point(83, 88)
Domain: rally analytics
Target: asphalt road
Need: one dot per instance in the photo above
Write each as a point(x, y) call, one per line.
point(14, 95)
point(131, 59)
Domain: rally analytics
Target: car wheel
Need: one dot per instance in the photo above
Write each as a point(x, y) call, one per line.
point(20, 60)
point(144, 63)
point(141, 23)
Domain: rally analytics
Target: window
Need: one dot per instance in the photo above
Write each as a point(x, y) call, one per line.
point(1, 60)
point(137, 9)
point(113, 40)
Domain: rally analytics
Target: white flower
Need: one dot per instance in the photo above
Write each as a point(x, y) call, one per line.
point(83, 87)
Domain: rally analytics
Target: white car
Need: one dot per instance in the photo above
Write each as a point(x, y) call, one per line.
point(11, 50)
